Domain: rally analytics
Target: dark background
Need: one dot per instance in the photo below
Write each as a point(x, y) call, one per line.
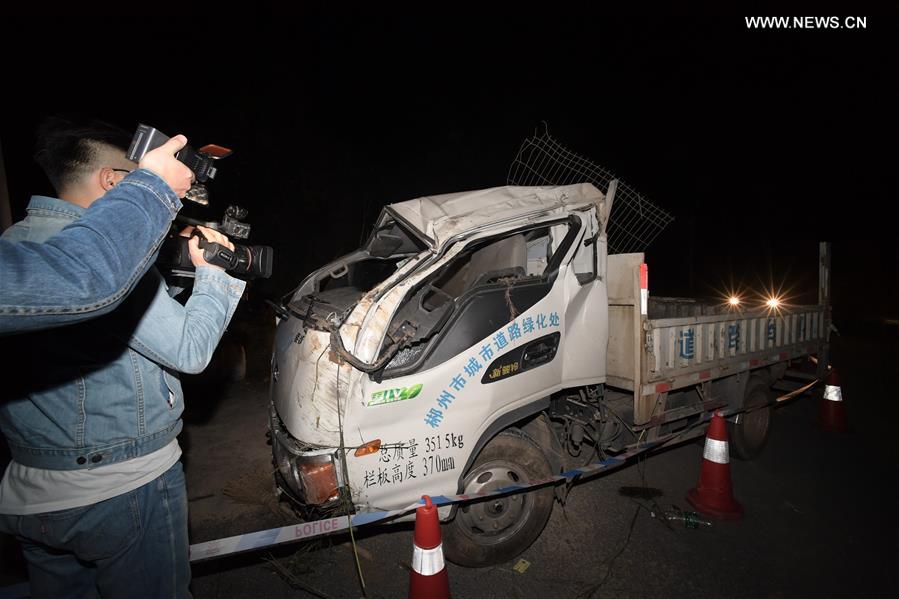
point(760, 143)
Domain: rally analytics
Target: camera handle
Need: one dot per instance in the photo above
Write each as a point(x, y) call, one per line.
point(214, 253)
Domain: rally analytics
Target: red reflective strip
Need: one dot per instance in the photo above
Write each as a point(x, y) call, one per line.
point(644, 276)
point(662, 387)
point(705, 375)
point(754, 362)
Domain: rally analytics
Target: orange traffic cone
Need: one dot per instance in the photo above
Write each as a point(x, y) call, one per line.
point(831, 414)
point(428, 579)
point(713, 495)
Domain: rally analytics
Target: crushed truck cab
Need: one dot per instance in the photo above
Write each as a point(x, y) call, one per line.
point(465, 347)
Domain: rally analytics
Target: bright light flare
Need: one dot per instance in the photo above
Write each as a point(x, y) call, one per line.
point(773, 303)
point(732, 298)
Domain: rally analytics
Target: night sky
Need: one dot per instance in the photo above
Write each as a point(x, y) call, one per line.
point(760, 143)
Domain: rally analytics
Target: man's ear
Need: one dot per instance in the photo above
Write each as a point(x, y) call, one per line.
point(106, 178)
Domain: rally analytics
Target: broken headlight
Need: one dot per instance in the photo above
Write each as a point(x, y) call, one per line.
point(312, 477)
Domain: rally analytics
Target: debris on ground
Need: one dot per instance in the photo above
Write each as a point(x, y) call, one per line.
point(291, 578)
point(255, 488)
point(521, 566)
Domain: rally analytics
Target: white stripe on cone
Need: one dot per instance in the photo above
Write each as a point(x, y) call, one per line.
point(716, 451)
point(427, 562)
point(833, 393)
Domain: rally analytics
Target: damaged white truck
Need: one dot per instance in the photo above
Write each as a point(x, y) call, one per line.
point(484, 339)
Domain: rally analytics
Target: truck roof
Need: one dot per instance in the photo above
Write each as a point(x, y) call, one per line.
point(438, 218)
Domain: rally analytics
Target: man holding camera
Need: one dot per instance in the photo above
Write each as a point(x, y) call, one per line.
point(95, 491)
point(89, 268)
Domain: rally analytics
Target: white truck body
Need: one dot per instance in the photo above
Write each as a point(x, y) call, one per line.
point(469, 313)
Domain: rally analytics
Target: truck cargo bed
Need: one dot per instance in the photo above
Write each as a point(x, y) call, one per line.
point(658, 345)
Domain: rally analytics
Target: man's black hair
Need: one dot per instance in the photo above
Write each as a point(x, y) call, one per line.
point(66, 148)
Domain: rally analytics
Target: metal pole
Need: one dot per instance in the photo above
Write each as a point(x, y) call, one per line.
point(824, 302)
point(824, 273)
point(5, 209)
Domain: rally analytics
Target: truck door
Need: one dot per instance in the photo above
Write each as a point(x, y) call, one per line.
point(586, 307)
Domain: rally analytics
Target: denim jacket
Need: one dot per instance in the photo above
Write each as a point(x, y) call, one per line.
point(89, 268)
point(107, 390)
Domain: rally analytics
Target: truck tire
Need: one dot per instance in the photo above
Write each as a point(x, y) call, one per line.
point(495, 530)
point(748, 437)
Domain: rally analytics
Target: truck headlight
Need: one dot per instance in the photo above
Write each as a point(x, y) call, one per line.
point(314, 477)
point(318, 478)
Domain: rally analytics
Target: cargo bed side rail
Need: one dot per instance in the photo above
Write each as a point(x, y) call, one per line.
point(681, 352)
point(651, 357)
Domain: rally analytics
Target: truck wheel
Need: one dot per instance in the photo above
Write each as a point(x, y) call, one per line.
point(495, 530)
point(748, 437)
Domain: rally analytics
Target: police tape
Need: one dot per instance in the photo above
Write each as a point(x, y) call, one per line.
point(318, 528)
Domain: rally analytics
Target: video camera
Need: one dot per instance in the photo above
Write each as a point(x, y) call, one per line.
point(246, 261)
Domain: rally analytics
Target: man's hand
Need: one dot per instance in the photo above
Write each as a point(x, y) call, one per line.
point(162, 161)
point(196, 254)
